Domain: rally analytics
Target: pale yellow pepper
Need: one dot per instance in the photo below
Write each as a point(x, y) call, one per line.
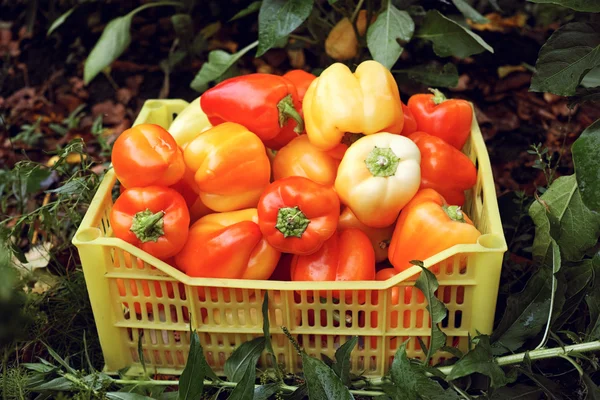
point(189, 123)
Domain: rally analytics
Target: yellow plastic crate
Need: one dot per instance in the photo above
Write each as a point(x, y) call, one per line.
point(227, 312)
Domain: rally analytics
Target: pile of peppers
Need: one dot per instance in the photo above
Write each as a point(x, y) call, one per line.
point(298, 177)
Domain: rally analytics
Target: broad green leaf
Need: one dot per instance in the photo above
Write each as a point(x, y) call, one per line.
point(578, 5)
point(579, 227)
point(557, 297)
point(402, 374)
point(61, 360)
point(428, 284)
point(219, 62)
point(59, 384)
point(279, 18)
point(60, 20)
point(322, 382)
point(593, 391)
point(592, 299)
point(390, 27)
point(525, 315)
point(252, 8)
point(33, 179)
point(38, 367)
point(115, 39)
point(264, 392)
point(563, 61)
point(433, 74)
point(244, 358)
point(126, 396)
point(299, 394)
point(191, 382)
point(469, 12)
point(450, 38)
point(342, 360)
point(591, 79)
point(480, 360)
point(244, 390)
point(585, 161)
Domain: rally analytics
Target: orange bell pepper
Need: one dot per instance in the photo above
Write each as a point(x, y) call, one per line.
point(379, 237)
point(228, 245)
point(427, 226)
point(444, 168)
point(301, 158)
point(339, 101)
point(147, 155)
point(378, 175)
point(153, 218)
point(347, 256)
point(230, 166)
point(297, 215)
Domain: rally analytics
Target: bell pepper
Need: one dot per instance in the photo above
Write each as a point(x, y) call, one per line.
point(346, 256)
point(189, 123)
point(302, 80)
point(297, 215)
point(147, 155)
point(341, 43)
point(187, 188)
point(410, 123)
point(427, 226)
point(230, 167)
point(265, 104)
point(300, 158)
point(379, 237)
point(378, 175)
point(228, 245)
point(448, 119)
point(444, 168)
point(282, 270)
point(339, 101)
point(153, 218)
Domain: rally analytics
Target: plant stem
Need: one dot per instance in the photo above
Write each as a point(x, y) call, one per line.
point(357, 10)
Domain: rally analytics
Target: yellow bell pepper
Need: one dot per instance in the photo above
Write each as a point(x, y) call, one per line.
point(189, 123)
point(378, 176)
point(339, 101)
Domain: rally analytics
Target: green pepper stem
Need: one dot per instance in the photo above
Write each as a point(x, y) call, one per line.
point(382, 161)
point(438, 97)
point(455, 213)
point(148, 226)
point(287, 110)
point(291, 222)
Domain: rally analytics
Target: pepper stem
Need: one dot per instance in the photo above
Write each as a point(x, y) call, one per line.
point(291, 222)
point(148, 226)
point(382, 161)
point(455, 213)
point(287, 110)
point(438, 97)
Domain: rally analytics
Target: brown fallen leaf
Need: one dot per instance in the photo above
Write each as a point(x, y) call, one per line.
point(112, 113)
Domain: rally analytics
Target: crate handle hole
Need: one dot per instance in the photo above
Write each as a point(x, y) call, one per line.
point(88, 235)
point(491, 241)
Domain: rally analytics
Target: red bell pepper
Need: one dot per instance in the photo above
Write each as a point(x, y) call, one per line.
point(448, 119)
point(267, 105)
point(297, 215)
point(410, 123)
point(444, 168)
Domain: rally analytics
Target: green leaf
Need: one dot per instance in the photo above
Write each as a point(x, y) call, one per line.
point(592, 299)
point(403, 375)
point(593, 391)
point(61, 360)
point(60, 20)
point(428, 284)
point(591, 79)
point(342, 360)
point(264, 392)
point(578, 5)
point(322, 382)
point(525, 315)
point(219, 62)
point(586, 165)
point(557, 297)
point(391, 27)
point(38, 367)
point(480, 360)
point(279, 18)
point(267, 332)
point(469, 12)
point(127, 396)
point(584, 95)
point(183, 25)
point(449, 38)
point(60, 384)
point(568, 55)
point(519, 391)
point(578, 227)
point(191, 382)
point(252, 8)
point(32, 179)
point(432, 74)
point(115, 39)
point(243, 358)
